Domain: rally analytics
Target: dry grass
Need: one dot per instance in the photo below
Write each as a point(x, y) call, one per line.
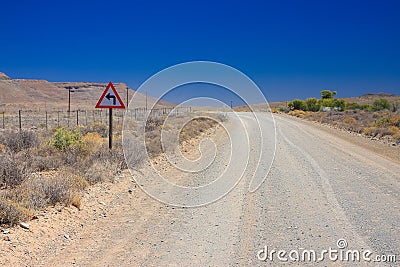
point(193, 128)
point(378, 124)
point(17, 141)
point(35, 172)
point(12, 212)
point(298, 113)
point(39, 191)
point(53, 167)
point(349, 120)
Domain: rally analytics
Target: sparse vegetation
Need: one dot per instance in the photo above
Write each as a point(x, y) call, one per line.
point(381, 104)
point(37, 171)
point(17, 141)
point(378, 118)
point(42, 168)
point(64, 138)
point(314, 105)
point(193, 128)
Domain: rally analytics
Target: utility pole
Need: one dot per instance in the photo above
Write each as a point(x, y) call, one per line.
point(69, 100)
point(146, 99)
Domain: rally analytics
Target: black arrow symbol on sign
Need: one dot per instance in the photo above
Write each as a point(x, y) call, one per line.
point(108, 96)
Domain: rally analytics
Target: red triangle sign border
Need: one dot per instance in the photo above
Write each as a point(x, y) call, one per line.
point(110, 84)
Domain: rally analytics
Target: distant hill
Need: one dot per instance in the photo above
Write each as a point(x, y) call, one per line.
point(382, 95)
point(41, 94)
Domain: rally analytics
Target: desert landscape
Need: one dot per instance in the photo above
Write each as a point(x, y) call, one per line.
point(200, 133)
point(65, 195)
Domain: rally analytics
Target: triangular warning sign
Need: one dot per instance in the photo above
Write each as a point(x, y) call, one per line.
point(110, 98)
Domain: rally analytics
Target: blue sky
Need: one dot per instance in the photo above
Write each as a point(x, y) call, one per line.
point(291, 49)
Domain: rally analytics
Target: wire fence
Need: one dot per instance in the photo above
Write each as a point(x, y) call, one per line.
point(34, 119)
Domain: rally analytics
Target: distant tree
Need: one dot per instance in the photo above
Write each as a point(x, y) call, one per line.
point(312, 104)
point(327, 94)
point(381, 104)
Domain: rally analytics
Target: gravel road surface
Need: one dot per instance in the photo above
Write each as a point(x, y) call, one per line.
point(320, 189)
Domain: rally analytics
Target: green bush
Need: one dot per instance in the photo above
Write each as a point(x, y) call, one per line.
point(381, 104)
point(298, 104)
point(283, 109)
point(312, 104)
point(384, 121)
point(64, 138)
point(340, 104)
point(358, 106)
point(367, 108)
point(353, 106)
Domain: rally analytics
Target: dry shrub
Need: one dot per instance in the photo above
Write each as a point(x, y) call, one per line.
point(44, 158)
point(382, 122)
point(99, 172)
point(349, 120)
point(101, 165)
point(96, 127)
point(154, 123)
point(370, 131)
point(12, 171)
point(52, 188)
point(134, 154)
point(395, 120)
point(195, 127)
point(396, 136)
point(17, 141)
point(76, 201)
point(393, 130)
point(93, 140)
point(11, 213)
point(39, 191)
point(153, 143)
point(298, 113)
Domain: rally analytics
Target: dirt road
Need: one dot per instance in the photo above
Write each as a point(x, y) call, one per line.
point(320, 189)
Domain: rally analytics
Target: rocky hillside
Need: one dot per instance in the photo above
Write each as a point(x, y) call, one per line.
point(41, 94)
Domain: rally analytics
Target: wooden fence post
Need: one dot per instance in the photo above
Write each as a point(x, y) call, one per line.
point(19, 119)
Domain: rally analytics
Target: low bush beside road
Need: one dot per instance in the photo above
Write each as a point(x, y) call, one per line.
point(42, 169)
point(375, 117)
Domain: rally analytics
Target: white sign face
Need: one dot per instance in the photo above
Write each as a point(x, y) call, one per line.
point(110, 98)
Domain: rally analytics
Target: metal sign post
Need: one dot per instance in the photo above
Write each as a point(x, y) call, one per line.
point(110, 129)
point(110, 99)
